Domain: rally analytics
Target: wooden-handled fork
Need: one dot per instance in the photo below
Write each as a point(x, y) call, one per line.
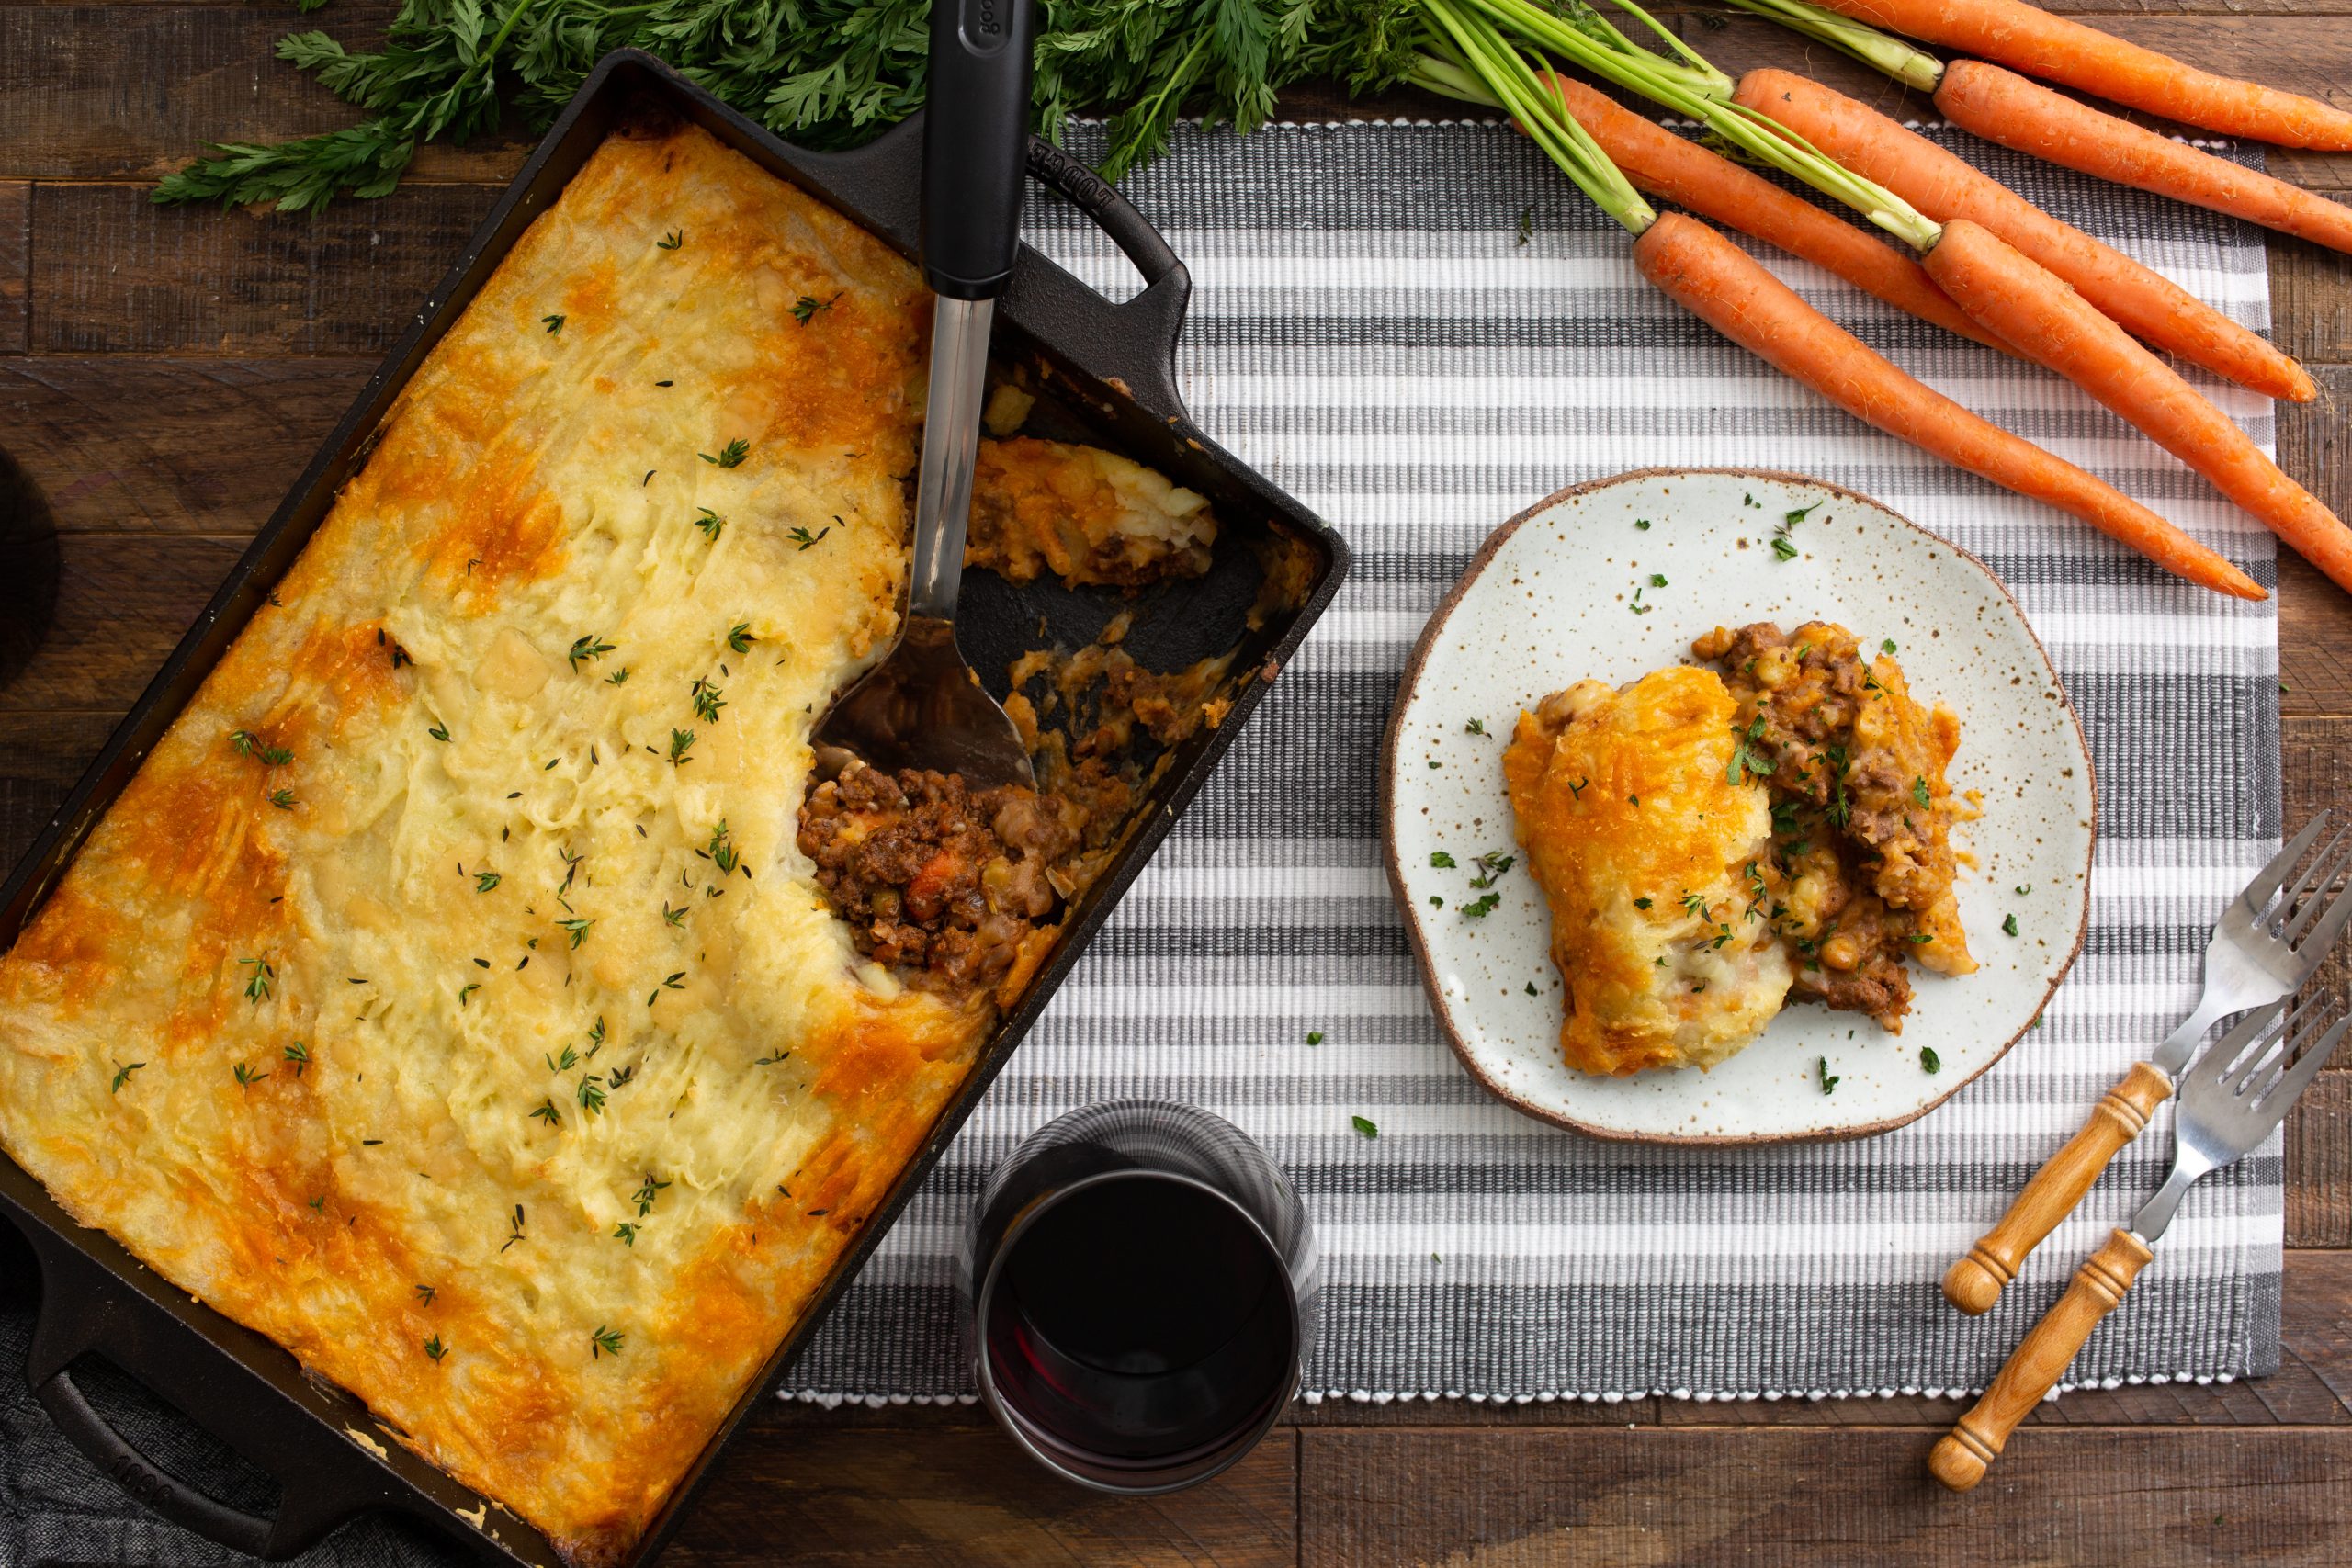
point(2229, 1102)
point(2263, 947)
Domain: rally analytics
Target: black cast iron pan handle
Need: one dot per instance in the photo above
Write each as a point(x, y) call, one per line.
point(322, 1481)
point(1139, 335)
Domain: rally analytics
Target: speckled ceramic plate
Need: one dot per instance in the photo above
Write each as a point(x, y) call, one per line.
point(1569, 590)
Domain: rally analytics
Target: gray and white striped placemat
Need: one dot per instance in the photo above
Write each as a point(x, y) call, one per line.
point(1369, 332)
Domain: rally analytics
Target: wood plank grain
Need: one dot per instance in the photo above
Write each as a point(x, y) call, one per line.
point(140, 279)
point(15, 264)
point(207, 445)
point(2311, 301)
point(2319, 1165)
point(970, 1498)
point(2315, 771)
point(114, 627)
point(2315, 616)
point(1797, 1495)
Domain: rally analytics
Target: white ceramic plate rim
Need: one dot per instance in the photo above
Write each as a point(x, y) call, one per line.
point(1441, 1005)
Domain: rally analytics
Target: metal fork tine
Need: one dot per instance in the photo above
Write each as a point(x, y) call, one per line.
point(2259, 892)
point(2261, 1064)
point(2314, 944)
point(2276, 1099)
point(2317, 875)
point(2232, 1047)
point(2318, 902)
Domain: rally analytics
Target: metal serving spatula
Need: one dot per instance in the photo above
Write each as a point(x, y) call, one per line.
point(2229, 1102)
point(921, 706)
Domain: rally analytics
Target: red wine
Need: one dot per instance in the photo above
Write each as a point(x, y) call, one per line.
point(1139, 1319)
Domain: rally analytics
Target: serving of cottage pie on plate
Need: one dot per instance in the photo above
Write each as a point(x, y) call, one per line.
point(1729, 807)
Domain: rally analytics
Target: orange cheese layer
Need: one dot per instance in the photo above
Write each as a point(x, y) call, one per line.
point(446, 997)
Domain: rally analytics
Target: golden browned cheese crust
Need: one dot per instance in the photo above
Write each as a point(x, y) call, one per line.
point(446, 996)
point(1655, 866)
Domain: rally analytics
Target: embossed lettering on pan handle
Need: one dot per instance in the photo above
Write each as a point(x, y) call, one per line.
point(1974, 1282)
point(1959, 1459)
point(1142, 331)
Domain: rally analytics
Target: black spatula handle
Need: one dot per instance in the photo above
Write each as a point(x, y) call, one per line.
point(975, 144)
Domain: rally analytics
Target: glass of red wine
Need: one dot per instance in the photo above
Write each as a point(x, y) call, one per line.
point(1139, 1289)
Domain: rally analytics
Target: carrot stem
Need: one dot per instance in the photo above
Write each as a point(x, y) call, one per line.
point(1883, 52)
point(2016, 298)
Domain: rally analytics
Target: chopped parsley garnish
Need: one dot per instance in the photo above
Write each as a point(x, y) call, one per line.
point(1315, 1037)
point(1747, 752)
point(710, 523)
point(1783, 549)
point(1641, 903)
point(604, 1342)
point(1886, 646)
point(1658, 579)
point(553, 323)
point(484, 881)
point(1531, 990)
point(707, 701)
point(1637, 606)
point(1491, 865)
point(123, 1075)
point(740, 637)
point(1436, 902)
point(1364, 1125)
point(1643, 523)
point(2010, 926)
point(1920, 939)
point(2024, 889)
point(1441, 860)
point(730, 456)
point(680, 742)
point(1482, 905)
point(299, 1055)
point(1929, 1060)
point(671, 240)
point(257, 988)
point(1919, 789)
point(1828, 1079)
point(589, 647)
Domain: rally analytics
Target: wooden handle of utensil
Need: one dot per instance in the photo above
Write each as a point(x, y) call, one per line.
point(1959, 1459)
point(1974, 1282)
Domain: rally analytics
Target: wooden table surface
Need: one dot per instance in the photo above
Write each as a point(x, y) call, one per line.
point(165, 373)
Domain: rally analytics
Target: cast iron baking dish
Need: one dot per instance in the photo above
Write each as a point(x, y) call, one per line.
point(1109, 374)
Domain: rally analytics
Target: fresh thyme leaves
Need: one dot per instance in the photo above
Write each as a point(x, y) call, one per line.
point(579, 929)
point(515, 1231)
point(1641, 903)
point(587, 647)
point(680, 742)
point(1919, 789)
point(643, 1197)
point(123, 1075)
point(674, 981)
point(671, 240)
point(730, 456)
point(1783, 545)
point(621, 1076)
point(434, 1348)
point(1364, 1125)
point(1491, 865)
point(466, 991)
point(2010, 926)
point(626, 1233)
point(739, 638)
point(258, 984)
point(807, 305)
point(484, 881)
point(710, 523)
point(1441, 860)
point(1482, 905)
point(617, 676)
point(1475, 727)
point(1929, 1060)
point(553, 323)
point(709, 700)
point(604, 1342)
point(546, 1111)
point(721, 850)
point(805, 539)
point(299, 1055)
point(673, 918)
point(281, 798)
point(246, 1078)
point(438, 731)
point(1828, 1079)
point(425, 1293)
point(248, 744)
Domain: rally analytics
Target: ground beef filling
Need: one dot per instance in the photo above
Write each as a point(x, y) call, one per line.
point(1861, 810)
point(938, 882)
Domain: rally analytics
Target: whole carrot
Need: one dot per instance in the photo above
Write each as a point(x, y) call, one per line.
point(2002, 107)
point(1944, 187)
point(1663, 163)
point(1720, 283)
point(2031, 39)
point(2018, 298)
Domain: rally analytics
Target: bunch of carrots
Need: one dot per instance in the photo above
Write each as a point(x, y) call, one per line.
point(1983, 262)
